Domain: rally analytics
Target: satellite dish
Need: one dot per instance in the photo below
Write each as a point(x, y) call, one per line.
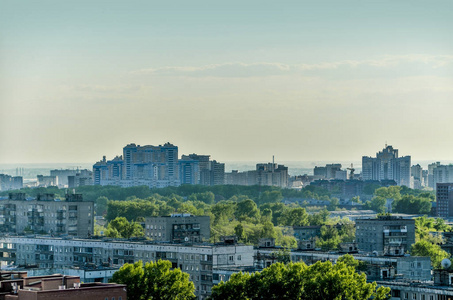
point(445, 263)
point(186, 239)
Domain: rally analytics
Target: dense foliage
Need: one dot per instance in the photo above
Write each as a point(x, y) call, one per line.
point(404, 200)
point(293, 281)
point(154, 281)
point(425, 248)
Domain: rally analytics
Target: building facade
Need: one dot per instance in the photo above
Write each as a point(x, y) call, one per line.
point(8, 182)
point(385, 235)
point(47, 215)
point(269, 174)
point(196, 260)
point(387, 166)
point(444, 200)
point(153, 166)
point(178, 228)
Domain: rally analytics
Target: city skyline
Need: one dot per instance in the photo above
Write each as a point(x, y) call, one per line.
point(306, 81)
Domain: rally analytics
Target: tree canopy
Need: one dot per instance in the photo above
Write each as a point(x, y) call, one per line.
point(122, 228)
point(294, 281)
point(425, 248)
point(154, 281)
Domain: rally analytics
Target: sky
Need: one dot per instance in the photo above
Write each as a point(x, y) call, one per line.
point(239, 80)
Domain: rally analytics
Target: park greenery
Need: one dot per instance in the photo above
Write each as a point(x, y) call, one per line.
point(249, 212)
point(404, 200)
point(154, 280)
point(321, 280)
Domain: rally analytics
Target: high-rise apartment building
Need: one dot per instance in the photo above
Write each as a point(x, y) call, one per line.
point(82, 178)
point(431, 168)
point(45, 181)
point(387, 166)
point(154, 166)
point(330, 171)
point(189, 171)
point(269, 174)
point(210, 172)
point(442, 174)
point(62, 176)
point(444, 200)
point(47, 215)
point(8, 182)
point(417, 177)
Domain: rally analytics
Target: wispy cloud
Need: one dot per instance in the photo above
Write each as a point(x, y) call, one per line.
point(240, 69)
point(225, 69)
point(106, 88)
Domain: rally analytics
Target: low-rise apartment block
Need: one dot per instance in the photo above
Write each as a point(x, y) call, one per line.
point(385, 235)
point(178, 228)
point(46, 215)
point(198, 260)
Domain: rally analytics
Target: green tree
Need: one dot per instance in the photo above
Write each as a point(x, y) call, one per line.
point(270, 197)
point(121, 227)
point(370, 188)
point(277, 210)
point(377, 204)
point(410, 204)
point(425, 248)
point(101, 205)
point(154, 280)
point(334, 202)
point(239, 231)
point(349, 260)
point(247, 210)
point(297, 281)
point(329, 238)
point(319, 218)
point(294, 217)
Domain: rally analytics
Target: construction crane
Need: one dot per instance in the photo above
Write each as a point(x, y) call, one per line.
point(351, 172)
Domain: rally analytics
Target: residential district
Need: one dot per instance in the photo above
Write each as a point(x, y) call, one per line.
point(50, 246)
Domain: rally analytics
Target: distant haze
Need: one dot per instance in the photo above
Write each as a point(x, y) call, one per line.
point(239, 80)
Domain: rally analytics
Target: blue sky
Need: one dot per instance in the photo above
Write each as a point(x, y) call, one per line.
point(240, 80)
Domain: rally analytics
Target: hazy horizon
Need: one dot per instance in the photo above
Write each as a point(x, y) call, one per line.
point(240, 81)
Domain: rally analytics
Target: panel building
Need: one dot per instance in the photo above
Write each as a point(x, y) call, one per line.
point(46, 215)
point(210, 172)
point(153, 166)
point(8, 182)
point(178, 228)
point(444, 200)
point(387, 235)
point(270, 174)
point(442, 174)
point(387, 166)
point(198, 260)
